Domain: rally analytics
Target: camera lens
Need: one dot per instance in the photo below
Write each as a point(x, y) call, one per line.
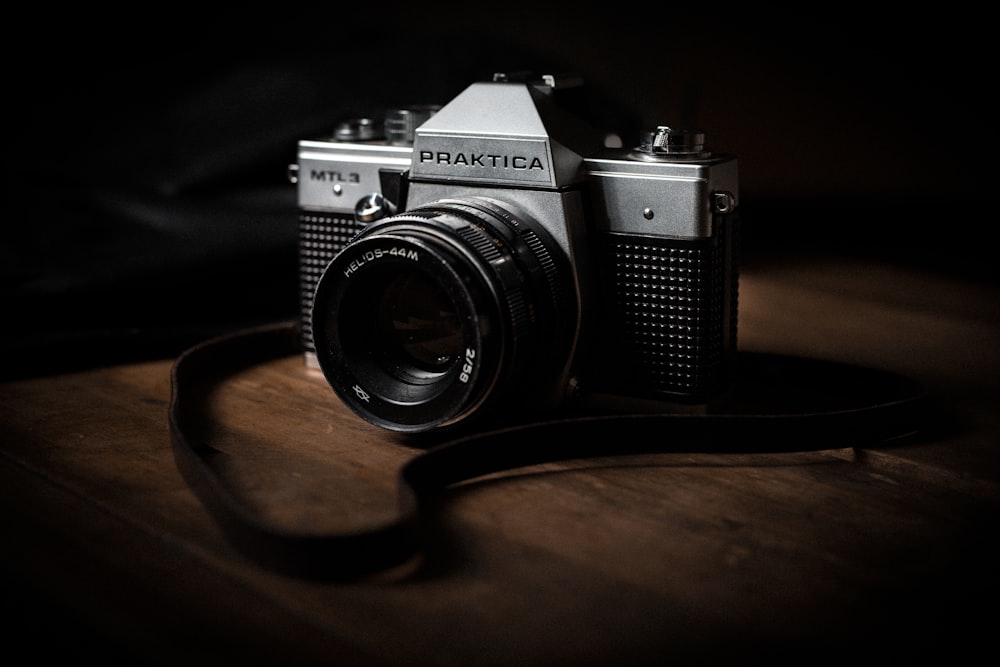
point(438, 315)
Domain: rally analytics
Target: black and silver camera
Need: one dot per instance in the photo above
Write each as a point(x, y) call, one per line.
point(494, 254)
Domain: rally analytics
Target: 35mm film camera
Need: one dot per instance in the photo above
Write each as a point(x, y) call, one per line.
point(493, 255)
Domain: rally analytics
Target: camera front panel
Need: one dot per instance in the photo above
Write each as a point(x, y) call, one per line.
point(667, 317)
point(332, 177)
point(321, 236)
point(665, 240)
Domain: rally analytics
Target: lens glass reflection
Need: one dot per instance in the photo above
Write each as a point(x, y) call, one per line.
point(417, 324)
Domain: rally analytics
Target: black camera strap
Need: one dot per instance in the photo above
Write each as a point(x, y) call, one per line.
point(784, 404)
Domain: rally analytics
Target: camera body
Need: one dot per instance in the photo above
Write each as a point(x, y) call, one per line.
point(495, 254)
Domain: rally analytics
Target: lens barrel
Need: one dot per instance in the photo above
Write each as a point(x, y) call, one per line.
point(439, 315)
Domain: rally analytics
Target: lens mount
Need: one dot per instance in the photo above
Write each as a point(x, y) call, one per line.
point(429, 317)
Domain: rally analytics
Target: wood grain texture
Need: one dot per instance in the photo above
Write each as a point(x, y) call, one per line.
point(809, 557)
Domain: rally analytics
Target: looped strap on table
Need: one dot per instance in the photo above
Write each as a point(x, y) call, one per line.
point(779, 404)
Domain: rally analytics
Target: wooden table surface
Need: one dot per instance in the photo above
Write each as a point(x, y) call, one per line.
point(868, 555)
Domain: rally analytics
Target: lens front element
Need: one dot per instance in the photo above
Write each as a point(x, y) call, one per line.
point(417, 325)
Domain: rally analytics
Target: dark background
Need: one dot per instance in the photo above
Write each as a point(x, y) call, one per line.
point(145, 167)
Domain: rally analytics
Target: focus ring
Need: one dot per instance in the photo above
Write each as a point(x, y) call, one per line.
point(525, 235)
point(486, 246)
